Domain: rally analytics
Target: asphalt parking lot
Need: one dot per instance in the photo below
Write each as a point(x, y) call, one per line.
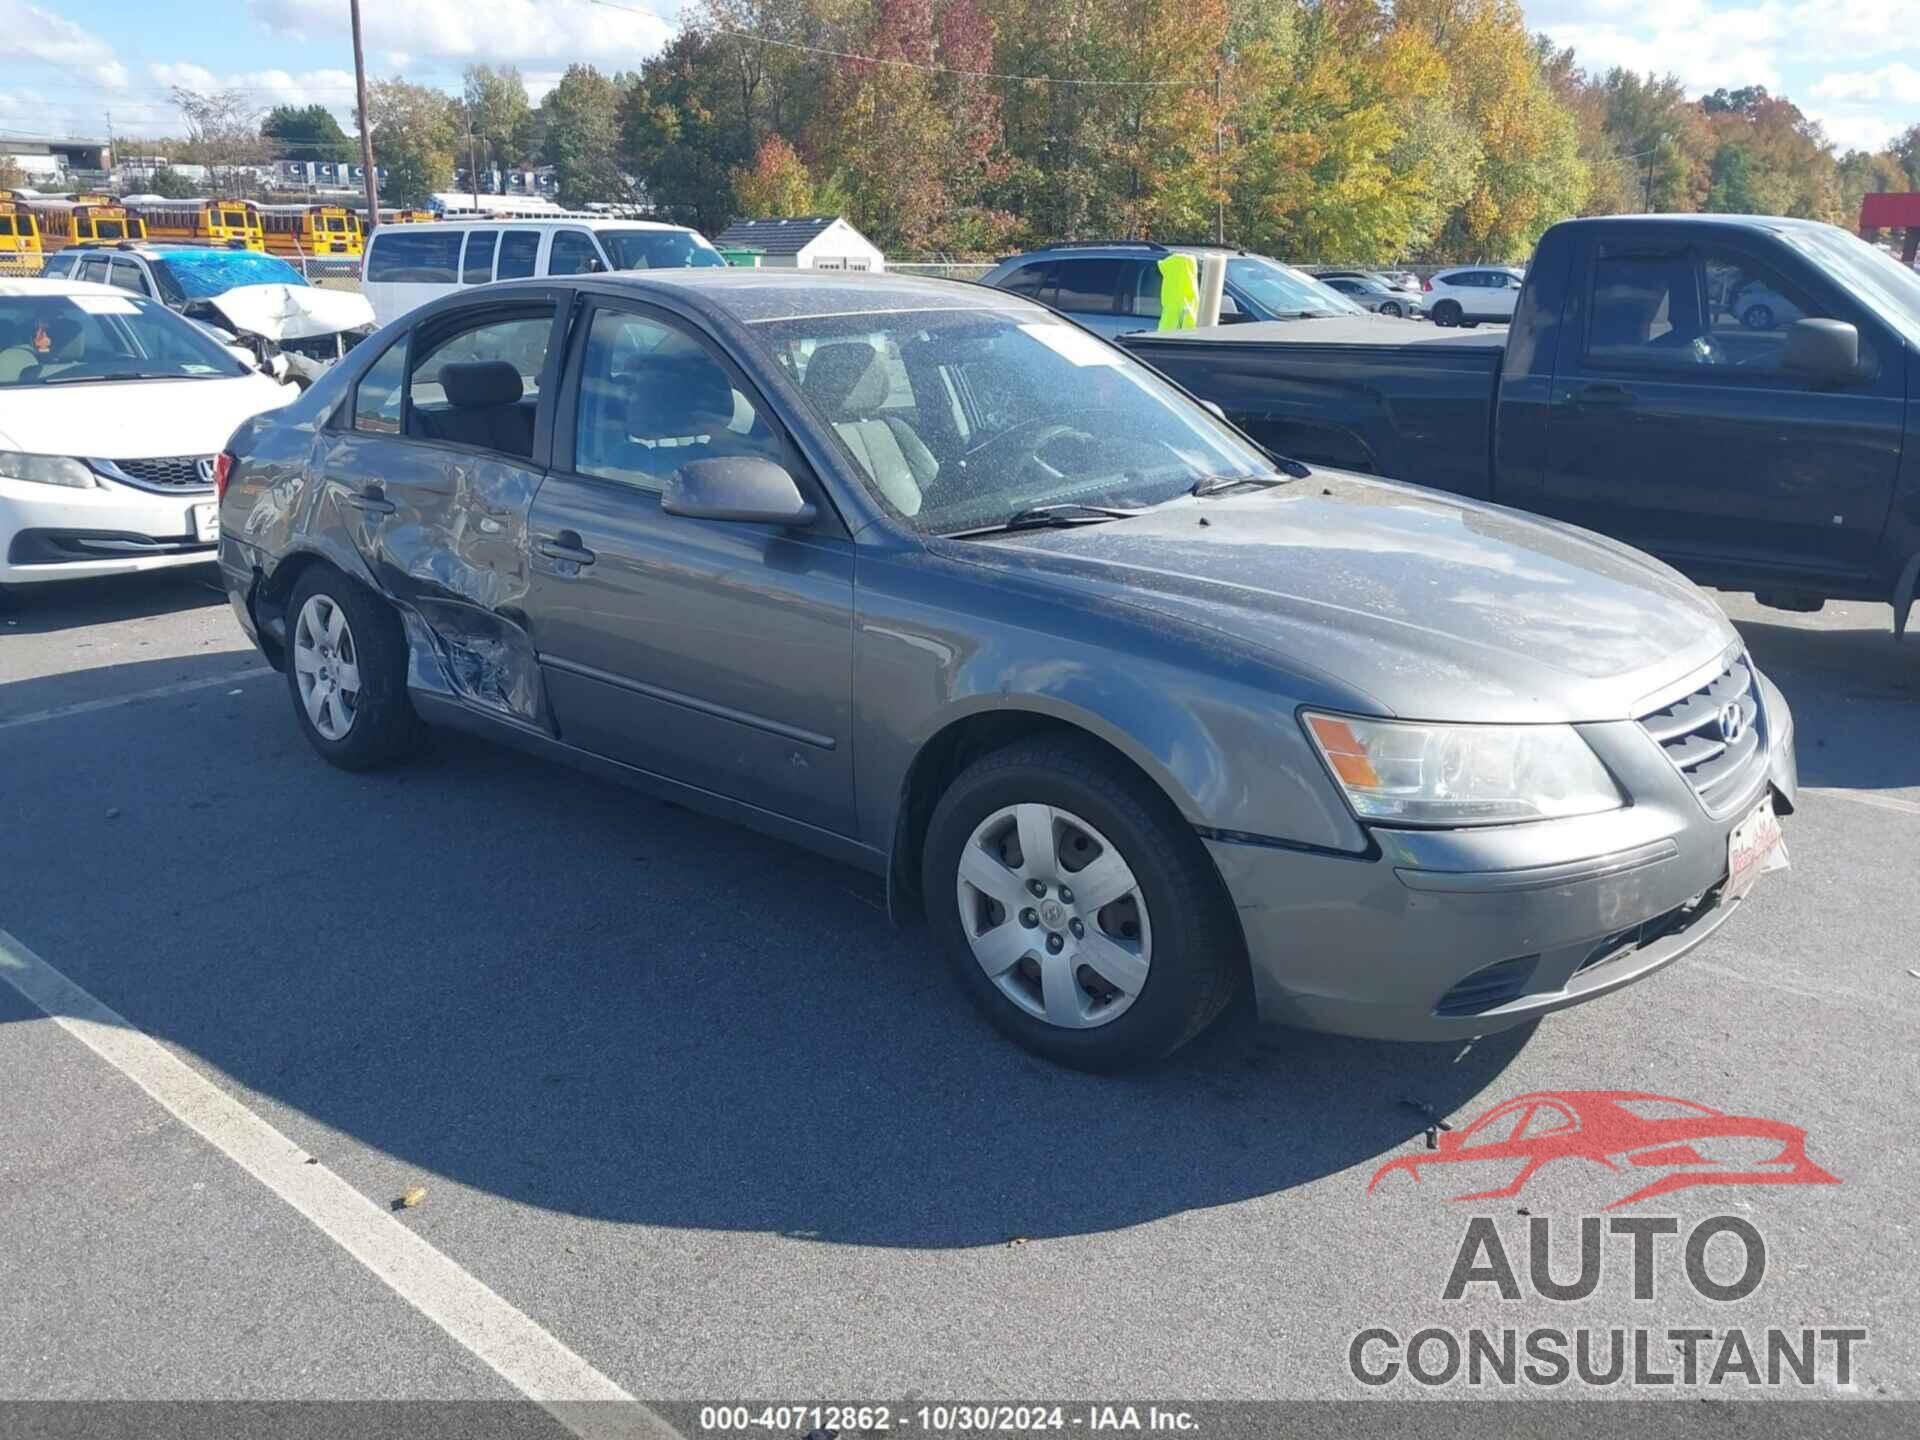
point(685, 1102)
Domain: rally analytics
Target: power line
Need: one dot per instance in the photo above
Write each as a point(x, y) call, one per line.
point(925, 69)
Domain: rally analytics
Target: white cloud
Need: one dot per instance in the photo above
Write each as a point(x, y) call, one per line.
point(1898, 82)
point(492, 31)
point(1856, 131)
point(29, 33)
point(1705, 51)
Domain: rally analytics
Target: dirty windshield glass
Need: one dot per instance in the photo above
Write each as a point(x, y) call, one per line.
point(1283, 291)
point(658, 250)
point(959, 419)
point(74, 339)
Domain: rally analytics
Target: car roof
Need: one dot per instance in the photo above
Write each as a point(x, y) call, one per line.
point(31, 285)
point(754, 296)
point(1111, 249)
point(527, 222)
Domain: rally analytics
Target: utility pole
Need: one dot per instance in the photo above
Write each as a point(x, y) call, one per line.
point(1219, 178)
point(366, 126)
point(473, 169)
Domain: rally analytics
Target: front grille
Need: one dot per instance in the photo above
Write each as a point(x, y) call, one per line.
point(1489, 986)
point(1691, 732)
point(167, 472)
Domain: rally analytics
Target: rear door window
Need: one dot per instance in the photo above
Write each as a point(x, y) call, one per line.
point(477, 267)
point(519, 252)
point(376, 400)
point(1087, 287)
point(573, 253)
point(1145, 290)
point(1029, 280)
point(414, 255)
point(479, 384)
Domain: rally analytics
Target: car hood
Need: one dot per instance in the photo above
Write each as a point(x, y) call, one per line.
point(1404, 601)
point(292, 312)
point(134, 419)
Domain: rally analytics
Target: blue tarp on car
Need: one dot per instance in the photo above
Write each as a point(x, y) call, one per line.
point(202, 274)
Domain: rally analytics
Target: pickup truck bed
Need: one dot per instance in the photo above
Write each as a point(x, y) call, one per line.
point(1371, 393)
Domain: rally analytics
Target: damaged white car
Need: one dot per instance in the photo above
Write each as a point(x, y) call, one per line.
point(250, 302)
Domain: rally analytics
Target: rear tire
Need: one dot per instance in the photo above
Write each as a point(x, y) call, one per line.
point(347, 672)
point(1130, 980)
point(1757, 317)
point(1447, 312)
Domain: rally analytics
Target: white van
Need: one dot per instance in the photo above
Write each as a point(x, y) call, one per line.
point(408, 265)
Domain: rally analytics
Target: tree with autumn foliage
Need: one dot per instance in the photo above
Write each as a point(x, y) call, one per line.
point(775, 185)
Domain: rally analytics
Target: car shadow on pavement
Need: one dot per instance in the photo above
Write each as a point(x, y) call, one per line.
point(72, 604)
point(1848, 688)
point(569, 995)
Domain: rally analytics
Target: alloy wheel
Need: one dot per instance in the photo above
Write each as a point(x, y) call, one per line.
point(1054, 915)
point(326, 663)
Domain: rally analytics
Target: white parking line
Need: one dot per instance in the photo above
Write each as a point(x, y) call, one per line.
point(1865, 797)
point(159, 692)
point(518, 1349)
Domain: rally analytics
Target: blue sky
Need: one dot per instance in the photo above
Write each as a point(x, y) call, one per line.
point(1852, 64)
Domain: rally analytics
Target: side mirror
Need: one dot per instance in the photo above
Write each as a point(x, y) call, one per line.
point(736, 487)
point(1822, 350)
point(1213, 408)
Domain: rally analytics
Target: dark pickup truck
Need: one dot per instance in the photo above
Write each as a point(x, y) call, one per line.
point(1740, 396)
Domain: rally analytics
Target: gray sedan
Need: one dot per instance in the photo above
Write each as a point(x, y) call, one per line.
point(1376, 294)
point(928, 579)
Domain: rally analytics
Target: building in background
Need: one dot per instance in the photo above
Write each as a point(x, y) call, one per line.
point(813, 242)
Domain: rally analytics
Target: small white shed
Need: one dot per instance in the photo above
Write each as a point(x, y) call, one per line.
point(809, 242)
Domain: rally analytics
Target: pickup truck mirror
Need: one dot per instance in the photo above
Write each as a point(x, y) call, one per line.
point(1822, 350)
point(736, 487)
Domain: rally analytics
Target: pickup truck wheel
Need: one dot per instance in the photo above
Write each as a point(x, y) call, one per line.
point(1447, 312)
point(347, 672)
point(1077, 908)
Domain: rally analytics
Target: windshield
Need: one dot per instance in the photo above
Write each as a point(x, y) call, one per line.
point(659, 250)
point(70, 339)
point(1283, 291)
point(1864, 270)
point(963, 418)
point(201, 277)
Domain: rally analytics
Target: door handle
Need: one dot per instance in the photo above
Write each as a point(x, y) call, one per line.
point(372, 499)
point(565, 546)
point(1602, 397)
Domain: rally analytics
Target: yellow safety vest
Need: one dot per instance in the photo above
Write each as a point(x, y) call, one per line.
point(1179, 292)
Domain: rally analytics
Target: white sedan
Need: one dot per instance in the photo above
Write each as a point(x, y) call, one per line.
point(112, 411)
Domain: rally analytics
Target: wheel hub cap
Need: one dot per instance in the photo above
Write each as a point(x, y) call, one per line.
point(1087, 959)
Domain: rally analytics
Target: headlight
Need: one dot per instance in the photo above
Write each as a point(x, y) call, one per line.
point(1462, 774)
point(47, 469)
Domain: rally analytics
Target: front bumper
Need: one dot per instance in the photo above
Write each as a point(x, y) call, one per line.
point(51, 532)
point(1448, 934)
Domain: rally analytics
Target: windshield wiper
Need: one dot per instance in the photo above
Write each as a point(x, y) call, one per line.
point(1220, 484)
point(1042, 517)
point(117, 375)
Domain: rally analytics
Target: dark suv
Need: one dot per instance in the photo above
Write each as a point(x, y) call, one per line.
point(1114, 287)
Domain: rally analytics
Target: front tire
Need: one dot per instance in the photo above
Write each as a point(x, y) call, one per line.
point(1447, 312)
point(1757, 317)
point(1077, 908)
point(347, 672)
point(1390, 307)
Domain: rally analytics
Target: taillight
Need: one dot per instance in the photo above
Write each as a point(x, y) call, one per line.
point(222, 469)
point(1425, 283)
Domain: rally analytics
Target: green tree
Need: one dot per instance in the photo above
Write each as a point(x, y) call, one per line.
point(306, 132)
point(171, 184)
point(1732, 190)
point(416, 130)
point(580, 119)
point(496, 107)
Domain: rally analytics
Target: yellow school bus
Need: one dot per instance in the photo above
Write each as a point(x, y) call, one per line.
point(407, 217)
point(19, 239)
point(297, 230)
point(86, 220)
point(210, 222)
